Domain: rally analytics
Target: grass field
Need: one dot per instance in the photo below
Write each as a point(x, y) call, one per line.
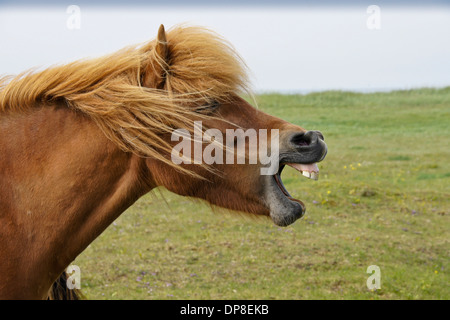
point(382, 199)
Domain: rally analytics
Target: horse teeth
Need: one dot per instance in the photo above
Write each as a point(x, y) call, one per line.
point(310, 175)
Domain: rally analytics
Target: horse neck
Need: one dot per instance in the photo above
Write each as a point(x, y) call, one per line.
point(63, 183)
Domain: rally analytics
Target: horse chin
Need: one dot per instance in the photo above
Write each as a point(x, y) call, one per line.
point(284, 210)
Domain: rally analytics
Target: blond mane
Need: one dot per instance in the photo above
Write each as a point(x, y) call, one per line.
point(201, 67)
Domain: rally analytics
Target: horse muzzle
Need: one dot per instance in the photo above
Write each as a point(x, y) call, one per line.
point(301, 151)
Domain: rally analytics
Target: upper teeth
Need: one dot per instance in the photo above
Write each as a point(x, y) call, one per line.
point(311, 175)
point(311, 171)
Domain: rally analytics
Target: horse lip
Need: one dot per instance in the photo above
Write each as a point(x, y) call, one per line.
point(284, 210)
point(283, 189)
point(324, 150)
point(279, 182)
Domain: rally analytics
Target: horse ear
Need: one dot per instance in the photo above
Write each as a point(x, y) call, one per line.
point(155, 75)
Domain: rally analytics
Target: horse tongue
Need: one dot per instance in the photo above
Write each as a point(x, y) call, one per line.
point(310, 171)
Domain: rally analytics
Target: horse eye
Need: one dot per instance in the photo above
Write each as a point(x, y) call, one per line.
point(209, 107)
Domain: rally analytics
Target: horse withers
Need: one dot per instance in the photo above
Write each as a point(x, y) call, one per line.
point(80, 143)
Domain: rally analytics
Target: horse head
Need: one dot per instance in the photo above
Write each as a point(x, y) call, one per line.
point(226, 123)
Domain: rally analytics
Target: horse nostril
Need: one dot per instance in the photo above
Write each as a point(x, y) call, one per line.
point(301, 139)
point(306, 138)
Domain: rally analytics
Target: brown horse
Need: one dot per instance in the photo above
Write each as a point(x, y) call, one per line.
point(80, 143)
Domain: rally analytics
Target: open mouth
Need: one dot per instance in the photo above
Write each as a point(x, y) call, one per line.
point(310, 171)
point(302, 152)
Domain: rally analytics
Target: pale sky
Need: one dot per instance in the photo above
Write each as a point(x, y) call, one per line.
point(287, 48)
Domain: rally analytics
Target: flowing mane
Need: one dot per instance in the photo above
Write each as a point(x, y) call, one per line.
point(200, 67)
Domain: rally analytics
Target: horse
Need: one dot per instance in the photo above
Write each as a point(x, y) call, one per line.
point(81, 142)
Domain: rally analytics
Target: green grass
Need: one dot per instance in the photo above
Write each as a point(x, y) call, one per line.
point(382, 199)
